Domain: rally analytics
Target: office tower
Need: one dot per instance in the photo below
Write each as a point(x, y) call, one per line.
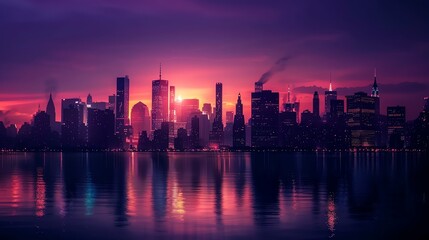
point(122, 104)
point(229, 116)
point(204, 130)
point(71, 123)
point(287, 129)
point(112, 103)
point(216, 135)
point(329, 96)
point(140, 120)
point(181, 141)
point(307, 118)
point(337, 109)
point(89, 100)
point(264, 123)
point(316, 104)
point(74, 103)
point(172, 104)
point(101, 128)
point(207, 109)
point(144, 143)
point(396, 126)
point(239, 128)
point(189, 106)
point(159, 102)
point(50, 110)
point(291, 106)
point(362, 119)
point(41, 130)
point(375, 94)
point(167, 135)
point(195, 133)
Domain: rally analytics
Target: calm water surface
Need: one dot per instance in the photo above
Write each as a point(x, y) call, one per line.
point(214, 195)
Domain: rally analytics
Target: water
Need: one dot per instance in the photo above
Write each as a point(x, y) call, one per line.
point(214, 195)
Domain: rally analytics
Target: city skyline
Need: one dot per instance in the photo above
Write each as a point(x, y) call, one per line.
point(210, 42)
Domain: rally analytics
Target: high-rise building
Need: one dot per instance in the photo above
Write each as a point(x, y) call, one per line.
point(207, 109)
point(74, 103)
point(168, 134)
point(329, 96)
point(362, 119)
point(89, 99)
point(189, 106)
point(229, 116)
point(50, 110)
point(41, 130)
point(291, 105)
point(122, 104)
point(216, 135)
point(101, 128)
point(159, 102)
point(112, 103)
point(239, 128)
point(173, 117)
point(337, 109)
point(396, 126)
point(316, 104)
point(265, 118)
point(375, 94)
point(70, 125)
point(195, 132)
point(140, 120)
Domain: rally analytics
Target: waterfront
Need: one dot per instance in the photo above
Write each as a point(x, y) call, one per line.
point(301, 195)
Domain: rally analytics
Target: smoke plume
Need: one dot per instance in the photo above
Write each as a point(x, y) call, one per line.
point(279, 66)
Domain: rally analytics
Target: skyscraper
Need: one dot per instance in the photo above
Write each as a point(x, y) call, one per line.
point(374, 92)
point(173, 117)
point(89, 99)
point(50, 110)
point(216, 136)
point(122, 104)
point(362, 120)
point(396, 126)
point(101, 128)
point(239, 128)
point(41, 130)
point(189, 106)
point(329, 96)
point(265, 118)
point(316, 104)
point(195, 132)
point(159, 102)
point(140, 120)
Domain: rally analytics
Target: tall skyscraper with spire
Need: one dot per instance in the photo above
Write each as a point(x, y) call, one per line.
point(374, 92)
point(239, 127)
point(159, 101)
point(50, 110)
point(216, 136)
point(316, 104)
point(329, 96)
point(122, 103)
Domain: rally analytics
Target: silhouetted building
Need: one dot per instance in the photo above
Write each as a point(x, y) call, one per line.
point(195, 133)
point(101, 128)
point(189, 106)
point(362, 120)
point(265, 113)
point(239, 128)
point(316, 104)
point(168, 135)
point(291, 105)
point(122, 107)
point(50, 110)
point(337, 109)
point(216, 135)
point(181, 141)
point(112, 103)
point(426, 104)
point(41, 130)
point(229, 116)
point(159, 102)
point(329, 96)
point(70, 127)
point(140, 120)
point(89, 99)
point(144, 143)
point(396, 126)
point(287, 129)
point(173, 117)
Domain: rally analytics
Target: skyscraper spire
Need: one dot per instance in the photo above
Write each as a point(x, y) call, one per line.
point(374, 92)
point(288, 94)
point(330, 82)
point(160, 71)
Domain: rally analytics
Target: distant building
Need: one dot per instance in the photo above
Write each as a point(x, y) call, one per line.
point(229, 116)
point(168, 134)
point(396, 121)
point(159, 102)
point(41, 130)
point(122, 107)
point(173, 117)
point(101, 128)
point(50, 110)
point(216, 135)
point(140, 120)
point(316, 104)
point(239, 128)
point(329, 96)
point(362, 119)
point(195, 133)
point(189, 106)
point(181, 141)
point(264, 123)
point(112, 103)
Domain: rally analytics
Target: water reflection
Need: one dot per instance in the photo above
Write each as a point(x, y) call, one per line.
point(214, 195)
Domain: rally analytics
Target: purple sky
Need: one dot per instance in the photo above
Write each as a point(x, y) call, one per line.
point(78, 46)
